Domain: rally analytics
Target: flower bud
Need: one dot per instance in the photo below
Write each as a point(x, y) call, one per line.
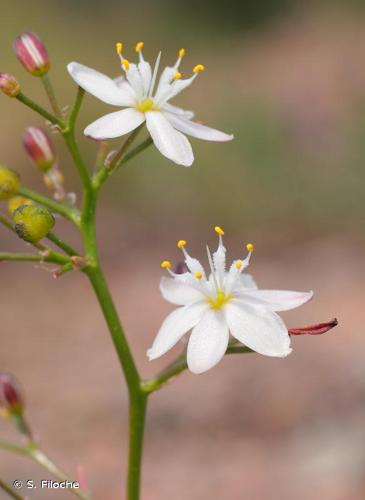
point(54, 180)
point(32, 222)
point(39, 147)
point(32, 53)
point(317, 329)
point(16, 202)
point(9, 85)
point(11, 401)
point(9, 183)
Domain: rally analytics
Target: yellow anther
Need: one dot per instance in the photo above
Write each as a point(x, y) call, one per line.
point(119, 48)
point(177, 75)
point(125, 64)
point(198, 68)
point(198, 275)
point(250, 247)
point(181, 53)
point(166, 264)
point(219, 230)
point(181, 243)
point(139, 46)
point(238, 264)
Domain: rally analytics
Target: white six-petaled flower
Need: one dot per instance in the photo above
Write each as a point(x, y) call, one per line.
point(167, 124)
point(220, 304)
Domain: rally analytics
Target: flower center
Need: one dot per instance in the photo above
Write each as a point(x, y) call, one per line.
point(146, 105)
point(219, 300)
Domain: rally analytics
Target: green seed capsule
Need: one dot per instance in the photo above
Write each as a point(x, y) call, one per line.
point(32, 223)
point(9, 183)
point(16, 202)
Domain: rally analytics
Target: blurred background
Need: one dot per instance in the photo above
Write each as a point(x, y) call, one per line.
point(288, 79)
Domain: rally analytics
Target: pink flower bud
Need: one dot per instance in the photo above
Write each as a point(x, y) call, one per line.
point(39, 147)
point(317, 329)
point(9, 85)
point(10, 399)
point(32, 53)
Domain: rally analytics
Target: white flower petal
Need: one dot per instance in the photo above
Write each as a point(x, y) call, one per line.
point(134, 77)
point(219, 260)
point(146, 75)
point(196, 129)
point(115, 124)
point(123, 84)
point(168, 141)
point(178, 111)
point(276, 300)
point(167, 92)
point(262, 331)
point(99, 85)
point(208, 342)
point(179, 293)
point(175, 326)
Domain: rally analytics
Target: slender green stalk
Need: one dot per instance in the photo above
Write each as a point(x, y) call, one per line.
point(76, 107)
point(101, 175)
point(68, 249)
point(137, 419)
point(51, 95)
point(38, 109)
point(76, 156)
point(135, 151)
point(33, 452)
point(69, 213)
point(55, 258)
point(178, 366)
point(5, 487)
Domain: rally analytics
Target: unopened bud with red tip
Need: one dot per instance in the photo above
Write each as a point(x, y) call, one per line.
point(32, 53)
point(9, 183)
point(11, 401)
point(39, 147)
point(317, 329)
point(9, 85)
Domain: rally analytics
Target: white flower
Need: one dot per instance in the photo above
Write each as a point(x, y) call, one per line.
point(135, 92)
point(223, 303)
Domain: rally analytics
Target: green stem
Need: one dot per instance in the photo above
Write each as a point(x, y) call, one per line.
point(137, 418)
point(33, 452)
point(53, 257)
point(178, 366)
point(135, 151)
point(38, 109)
point(76, 107)
point(100, 287)
point(76, 156)
point(5, 487)
point(51, 95)
point(101, 175)
point(68, 249)
point(69, 213)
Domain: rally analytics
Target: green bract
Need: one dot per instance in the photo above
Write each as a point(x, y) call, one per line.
point(32, 223)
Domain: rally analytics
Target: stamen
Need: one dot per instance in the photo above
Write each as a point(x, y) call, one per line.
point(211, 265)
point(166, 264)
point(250, 247)
point(177, 75)
point(119, 48)
point(181, 243)
point(198, 275)
point(125, 64)
point(238, 264)
point(139, 47)
point(198, 68)
point(154, 75)
point(219, 230)
point(181, 53)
